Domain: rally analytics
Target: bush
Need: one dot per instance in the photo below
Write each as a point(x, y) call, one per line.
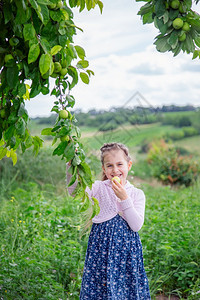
point(189, 131)
point(171, 168)
point(176, 135)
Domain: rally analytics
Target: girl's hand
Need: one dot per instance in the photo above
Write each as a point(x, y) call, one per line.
point(119, 190)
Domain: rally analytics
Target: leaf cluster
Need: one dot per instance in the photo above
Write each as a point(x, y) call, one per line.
point(36, 46)
point(164, 14)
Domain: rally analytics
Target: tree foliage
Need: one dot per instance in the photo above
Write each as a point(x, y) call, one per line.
point(36, 44)
point(178, 24)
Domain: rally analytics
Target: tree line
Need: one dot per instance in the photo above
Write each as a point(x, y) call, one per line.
point(110, 119)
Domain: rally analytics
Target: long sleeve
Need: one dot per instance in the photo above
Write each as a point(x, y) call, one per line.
point(133, 210)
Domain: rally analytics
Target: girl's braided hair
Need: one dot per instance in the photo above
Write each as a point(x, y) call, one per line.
point(113, 146)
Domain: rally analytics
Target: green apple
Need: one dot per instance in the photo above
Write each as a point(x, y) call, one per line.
point(8, 57)
point(57, 67)
point(186, 26)
point(64, 138)
point(178, 23)
point(175, 4)
point(182, 37)
point(116, 178)
point(63, 114)
point(63, 71)
point(13, 41)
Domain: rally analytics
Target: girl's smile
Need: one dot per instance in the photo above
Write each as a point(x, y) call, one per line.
point(115, 164)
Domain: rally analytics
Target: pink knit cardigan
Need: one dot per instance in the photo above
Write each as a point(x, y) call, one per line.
point(132, 209)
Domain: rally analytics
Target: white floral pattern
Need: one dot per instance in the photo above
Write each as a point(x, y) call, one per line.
point(114, 268)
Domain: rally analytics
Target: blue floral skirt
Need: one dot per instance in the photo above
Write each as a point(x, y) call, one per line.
point(114, 268)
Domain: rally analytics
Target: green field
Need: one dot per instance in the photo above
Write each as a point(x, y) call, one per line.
point(41, 247)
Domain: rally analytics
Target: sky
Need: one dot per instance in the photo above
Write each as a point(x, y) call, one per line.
point(128, 68)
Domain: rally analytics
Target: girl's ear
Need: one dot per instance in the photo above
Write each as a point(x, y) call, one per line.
point(129, 165)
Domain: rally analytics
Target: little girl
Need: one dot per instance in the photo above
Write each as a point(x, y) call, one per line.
point(114, 267)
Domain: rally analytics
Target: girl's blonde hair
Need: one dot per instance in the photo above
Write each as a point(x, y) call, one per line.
point(113, 146)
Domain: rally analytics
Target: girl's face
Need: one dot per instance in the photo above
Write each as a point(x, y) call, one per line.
point(115, 164)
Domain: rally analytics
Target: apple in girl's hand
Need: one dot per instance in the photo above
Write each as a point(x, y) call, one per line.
point(116, 178)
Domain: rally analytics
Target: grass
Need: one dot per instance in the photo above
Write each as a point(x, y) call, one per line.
point(41, 251)
point(42, 254)
point(170, 238)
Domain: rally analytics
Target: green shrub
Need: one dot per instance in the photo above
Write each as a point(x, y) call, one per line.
point(42, 169)
point(189, 131)
point(171, 168)
point(176, 135)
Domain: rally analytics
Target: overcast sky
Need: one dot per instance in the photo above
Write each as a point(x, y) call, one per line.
point(121, 53)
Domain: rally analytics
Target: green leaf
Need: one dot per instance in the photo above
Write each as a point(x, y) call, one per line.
point(12, 76)
point(45, 63)
point(95, 207)
point(22, 110)
point(47, 131)
point(44, 14)
point(197, 41)
point(69, 151)
point(161, 26)
point(33, 54)
point(82, 64)
point(84, 77)
point(173, 13)
point(45, 45)
point(37, 142)
point(73, 178)
point(29, 32)
point(72, 51)
point(86, 202)
point(20, 127)
point(162, 45)
point(173, 39)
point(189, 44)
point(9, 132)
point(46, 2)
point(33, 4)
point(76, 161)
point(55, 49)
point(3, 152)
point(80, 52)
point(147, 18)
point(79, 193)
point(100, 4)
point(60, 149)
point(160, 8)
point(7, 12)
point(73, 73)
point(195, 54)
point(145, 9)
point(13, 155)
